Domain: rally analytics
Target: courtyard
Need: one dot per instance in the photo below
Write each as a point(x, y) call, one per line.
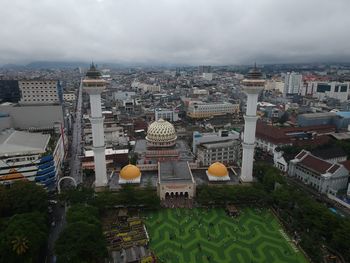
point(200, 235)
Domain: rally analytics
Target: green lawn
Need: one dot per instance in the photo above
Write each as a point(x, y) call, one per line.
point(198, 235)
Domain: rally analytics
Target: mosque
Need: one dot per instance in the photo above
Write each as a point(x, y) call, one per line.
point(174, 176)
point(167, 162)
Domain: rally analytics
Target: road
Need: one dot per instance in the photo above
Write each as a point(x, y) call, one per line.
point(76, 146)
point(58, 215)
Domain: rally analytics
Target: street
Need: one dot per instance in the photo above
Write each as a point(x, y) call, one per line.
point(58, 214)
point(76, 147)
point(58, 217)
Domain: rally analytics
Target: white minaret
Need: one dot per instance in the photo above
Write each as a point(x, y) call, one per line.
point(94, 86)
point(252, 85)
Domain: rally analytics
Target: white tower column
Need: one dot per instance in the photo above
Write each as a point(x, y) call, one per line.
point(94, 86)
point(252, 87)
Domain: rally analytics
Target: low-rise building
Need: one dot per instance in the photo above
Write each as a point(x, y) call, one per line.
point(30, 116)
point(114, 158)
point(324, 176)
point(212, 137)
point(114, 136)
point(31, 156)
point(199, 109)
point(145, 87)
point(340, 119)
point(226, 152)
point(268, 137)
point(166, 114)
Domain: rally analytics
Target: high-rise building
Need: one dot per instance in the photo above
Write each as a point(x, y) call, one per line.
point(204, 69)
point(292, 83)
point(9, 91)
point(252, 86)
point(94, 85)
point(40, 92)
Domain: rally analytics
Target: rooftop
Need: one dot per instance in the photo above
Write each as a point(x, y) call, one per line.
point(19, 142)
point(286, 135)
point(316, 164)
point(329, 153)
point(174, 172)
point(108, 152)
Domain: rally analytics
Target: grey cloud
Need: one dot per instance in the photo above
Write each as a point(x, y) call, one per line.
point(175, 31)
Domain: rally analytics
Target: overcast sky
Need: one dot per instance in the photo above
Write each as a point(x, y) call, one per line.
point(194, 32)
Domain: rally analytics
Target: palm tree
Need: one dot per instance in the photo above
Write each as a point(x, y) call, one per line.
point(20, 245)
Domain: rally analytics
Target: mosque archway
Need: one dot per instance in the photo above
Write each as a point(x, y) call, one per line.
point(63, 178)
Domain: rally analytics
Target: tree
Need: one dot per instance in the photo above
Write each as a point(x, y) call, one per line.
point(23, 197)
point(23, 238)
point(83, 213)
point(20, 245)
point(284, 117)
point(81, 195)
point(81, 242)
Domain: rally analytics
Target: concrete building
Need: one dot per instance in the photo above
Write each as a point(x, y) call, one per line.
point(324, 89)
point(114, 136)
point(252, 86)
point(324, 176)
point(226, 152)
point(340, 119)
point(207, 76)
point(292, 83)
point(274, 85)
point(114, 158)
point(214, 137)
point(9, 91)
point(34, 117)
point(269, 137)
point(123, 95)
point(199, 109)
point(31, 156)
point(94, 85)
point(196, 92)
point(175, 179)
point(69, 97)
point(40, 92)
point(145, 87)
point(166, 114)
point(204, 69)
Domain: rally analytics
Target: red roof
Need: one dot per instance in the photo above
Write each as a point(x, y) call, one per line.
point(301, 155)
point(316, 164)
point(346, 164)
point(277, 135)
point(334, 168)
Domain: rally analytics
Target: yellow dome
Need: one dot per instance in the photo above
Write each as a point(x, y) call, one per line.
point(217, 169)
point(130, 172)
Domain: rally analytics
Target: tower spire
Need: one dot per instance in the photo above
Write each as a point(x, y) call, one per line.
point(252, 85)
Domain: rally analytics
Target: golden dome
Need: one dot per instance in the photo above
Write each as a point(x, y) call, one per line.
point(217, 169)
point(130, 172)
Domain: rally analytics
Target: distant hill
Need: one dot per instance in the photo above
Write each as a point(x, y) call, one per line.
point(55, 64)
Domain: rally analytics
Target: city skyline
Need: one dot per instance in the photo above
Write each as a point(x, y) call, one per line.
point(175, 32)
